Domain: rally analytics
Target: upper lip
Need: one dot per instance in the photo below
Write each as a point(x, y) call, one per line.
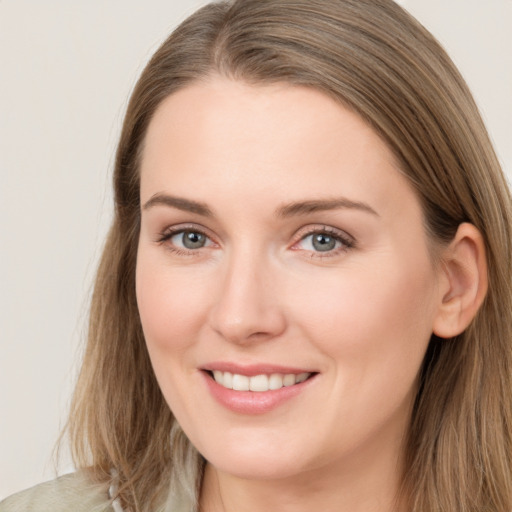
point(250, 370)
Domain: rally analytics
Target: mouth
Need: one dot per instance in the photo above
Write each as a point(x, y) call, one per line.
point(256, 388)
point(258, 383)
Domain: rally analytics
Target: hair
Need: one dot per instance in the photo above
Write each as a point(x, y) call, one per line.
point(378, 61)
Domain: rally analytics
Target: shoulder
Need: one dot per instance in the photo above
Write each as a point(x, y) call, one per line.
point(70, 492)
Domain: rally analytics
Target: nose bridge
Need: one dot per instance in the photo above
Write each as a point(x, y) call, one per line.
point(247, 306)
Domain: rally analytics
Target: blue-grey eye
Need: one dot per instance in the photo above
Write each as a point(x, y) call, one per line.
point(190, 239)
point(323, 242)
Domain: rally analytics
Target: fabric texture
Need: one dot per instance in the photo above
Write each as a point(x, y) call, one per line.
point(73, 492)
point(76, 493)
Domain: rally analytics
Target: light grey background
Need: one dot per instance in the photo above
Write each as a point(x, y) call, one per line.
point(66, 70)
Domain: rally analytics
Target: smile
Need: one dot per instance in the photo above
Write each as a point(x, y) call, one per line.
point(258, 383)
point(255, 389)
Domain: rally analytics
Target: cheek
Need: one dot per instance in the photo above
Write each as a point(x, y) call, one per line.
point(373, 317)
point(171, 311)
point(374, 328)
point(171, 304)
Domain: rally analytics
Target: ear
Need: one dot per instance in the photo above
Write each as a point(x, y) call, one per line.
point(463, 282)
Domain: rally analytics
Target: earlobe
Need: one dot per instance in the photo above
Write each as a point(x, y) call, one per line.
point(464, 269)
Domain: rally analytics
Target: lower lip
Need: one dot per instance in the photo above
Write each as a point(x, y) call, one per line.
point(253, 402)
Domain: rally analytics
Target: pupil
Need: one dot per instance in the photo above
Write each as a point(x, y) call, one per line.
point(193, 240)
point(323, 242)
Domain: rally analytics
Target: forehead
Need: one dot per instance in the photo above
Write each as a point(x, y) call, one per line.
point(282, 140)
point(290, 112)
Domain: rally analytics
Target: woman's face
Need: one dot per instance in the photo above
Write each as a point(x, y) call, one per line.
point(279, 243)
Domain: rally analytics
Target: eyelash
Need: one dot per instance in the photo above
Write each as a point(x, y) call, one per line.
point(346, 241)
point(168, 233)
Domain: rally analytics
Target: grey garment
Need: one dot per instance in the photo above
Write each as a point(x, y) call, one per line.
point(69, 493)
point(76, 493)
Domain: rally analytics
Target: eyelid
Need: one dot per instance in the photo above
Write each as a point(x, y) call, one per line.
point(347, 240)
point(170, 231)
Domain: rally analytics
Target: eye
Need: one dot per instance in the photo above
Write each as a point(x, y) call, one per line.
point(184, 240)
point(326, 240)
point(189, 240)
point(320, 242)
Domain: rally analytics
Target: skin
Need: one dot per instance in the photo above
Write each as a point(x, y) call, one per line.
point(258, 291)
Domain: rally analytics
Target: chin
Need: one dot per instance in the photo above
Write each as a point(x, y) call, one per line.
point(255, 467)
point(256, 460)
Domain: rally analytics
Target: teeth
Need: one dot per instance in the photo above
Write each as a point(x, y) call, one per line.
point(275, 381)
point(258, 383)
point(240, 382)
point(227, 380)
point(302, 377)
point(289, 380)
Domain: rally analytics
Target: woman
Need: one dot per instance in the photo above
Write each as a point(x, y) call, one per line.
point(304, 298)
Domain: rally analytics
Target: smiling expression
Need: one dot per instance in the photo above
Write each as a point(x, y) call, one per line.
point(283, 254)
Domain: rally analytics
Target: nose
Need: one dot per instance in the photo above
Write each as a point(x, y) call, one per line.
point(248, 308)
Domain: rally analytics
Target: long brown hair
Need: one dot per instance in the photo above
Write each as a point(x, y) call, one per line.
point(375, 59)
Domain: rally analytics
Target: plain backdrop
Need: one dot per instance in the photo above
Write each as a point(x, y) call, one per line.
point(66, 71)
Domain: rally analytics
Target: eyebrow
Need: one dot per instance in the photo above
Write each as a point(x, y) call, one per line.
point(296, 208)
point(187, 205)
point(320, 205)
